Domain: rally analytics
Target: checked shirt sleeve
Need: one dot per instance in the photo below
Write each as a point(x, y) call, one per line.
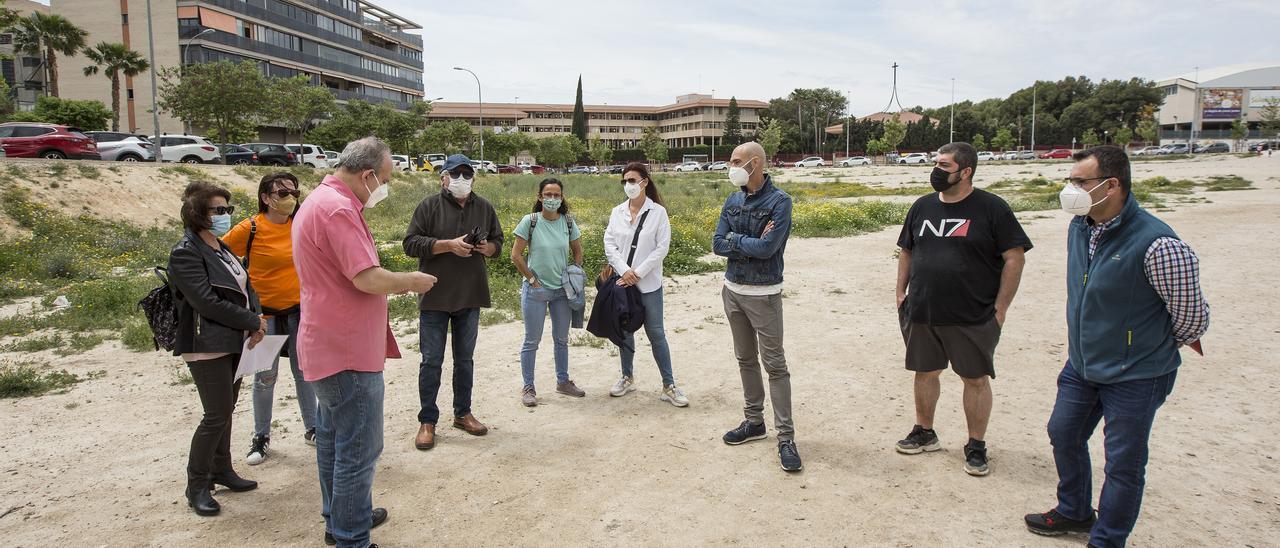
point(1173, 270)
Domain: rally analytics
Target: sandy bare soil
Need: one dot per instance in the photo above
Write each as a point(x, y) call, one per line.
point(104, 463)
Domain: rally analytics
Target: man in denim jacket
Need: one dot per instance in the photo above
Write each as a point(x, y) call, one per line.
point(752, 232)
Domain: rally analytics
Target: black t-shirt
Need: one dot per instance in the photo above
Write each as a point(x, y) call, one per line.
point(956, 257)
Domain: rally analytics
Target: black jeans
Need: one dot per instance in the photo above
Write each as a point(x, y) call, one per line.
point(211, 444)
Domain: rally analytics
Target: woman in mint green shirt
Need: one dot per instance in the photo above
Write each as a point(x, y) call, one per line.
point(549, 234)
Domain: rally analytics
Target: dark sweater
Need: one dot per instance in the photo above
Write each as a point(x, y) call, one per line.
point(463, 281)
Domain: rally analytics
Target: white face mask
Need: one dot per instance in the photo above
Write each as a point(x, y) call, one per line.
point(459, 187)
point(378, 194)
point(632, 190)
point(739, 175)
point(1078, 201)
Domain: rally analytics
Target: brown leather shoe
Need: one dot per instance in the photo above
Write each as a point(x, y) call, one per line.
point(426, 438)
point(469, 423)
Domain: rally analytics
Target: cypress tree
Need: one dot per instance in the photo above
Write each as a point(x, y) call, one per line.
point(579, 115)
point(733, 124)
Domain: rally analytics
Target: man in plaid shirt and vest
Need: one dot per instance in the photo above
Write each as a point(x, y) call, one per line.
point(1133, 301)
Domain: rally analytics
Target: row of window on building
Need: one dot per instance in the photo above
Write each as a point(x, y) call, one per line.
point(277, 71)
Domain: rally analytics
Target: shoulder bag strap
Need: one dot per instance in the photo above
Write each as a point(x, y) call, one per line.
point(635, 240)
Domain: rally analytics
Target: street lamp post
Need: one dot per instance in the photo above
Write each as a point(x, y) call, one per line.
point(182, 66)
point(480, 96)
point(155, 108)
point(951, 133)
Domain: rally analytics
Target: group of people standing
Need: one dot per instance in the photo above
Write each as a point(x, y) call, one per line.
point(312, 273)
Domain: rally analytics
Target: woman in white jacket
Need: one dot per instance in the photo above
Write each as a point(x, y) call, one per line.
point(643, 211)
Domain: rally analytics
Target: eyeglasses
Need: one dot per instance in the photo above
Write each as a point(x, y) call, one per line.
point(549, 195)
point(223, 210)
point(283, 192)
point(633, 181)
point(1079, 182)
point(465, 174)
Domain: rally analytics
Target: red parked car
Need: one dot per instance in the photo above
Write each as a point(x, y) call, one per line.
point(1057, 153)
point(36, 140)
point(505, 168)
point(534, 169)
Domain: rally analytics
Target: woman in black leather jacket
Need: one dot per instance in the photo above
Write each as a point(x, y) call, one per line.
point(217, 311)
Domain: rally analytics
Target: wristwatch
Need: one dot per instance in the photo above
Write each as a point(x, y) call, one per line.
point(531, 279)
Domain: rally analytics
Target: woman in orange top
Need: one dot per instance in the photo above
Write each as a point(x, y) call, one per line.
point(265, 241)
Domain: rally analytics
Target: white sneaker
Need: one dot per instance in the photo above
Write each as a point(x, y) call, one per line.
point(674, 395)
point(624, 385)
point(257, 451)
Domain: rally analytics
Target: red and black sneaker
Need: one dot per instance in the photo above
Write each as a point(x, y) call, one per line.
point(1052, 524)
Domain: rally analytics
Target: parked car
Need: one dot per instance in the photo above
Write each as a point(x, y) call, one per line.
point(271, 154)
point(688, 166)
point(812, 161)
point(400, 162)
point(617, 169)
point(238, 155)
point(1026, 154)
point(331, 157)
point(1177, 149)
point(986, 155)
point(37, 140)
point(431, 162)
point(579, 169)
point(1146, 151)
point(188, 149)
point(118, 146)
point(1260, 147)
point(1214, 148)
point(718, 166)
point(504, 168)
point(855, 161)
point(534, 169)
point(1057, 154)
point(1009, 155)
point(914, 158)
point(309, 155)
point(490, 167)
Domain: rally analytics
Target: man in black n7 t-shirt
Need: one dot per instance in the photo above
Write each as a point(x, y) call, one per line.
point(959, 268)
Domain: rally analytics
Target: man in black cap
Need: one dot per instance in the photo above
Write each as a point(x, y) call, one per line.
point(451, 234)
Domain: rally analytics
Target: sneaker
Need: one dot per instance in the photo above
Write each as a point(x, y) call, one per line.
point(529, 397)
point(622, 387)
point(745, 432)
point(789, 456)
point(310, 437)
point(919, 440)
point(569, 389)
point(258, 451)
point(1052, 524)
point(975, 458)
point(379, 517)
point(674, 395)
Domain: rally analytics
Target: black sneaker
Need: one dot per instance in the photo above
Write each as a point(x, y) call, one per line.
point(258, 450)
point(1052, 524)
point(745, 432)
point(975, 458)
point(310, 437)
point(789, 456)
point(379, 517)
point(920, 439)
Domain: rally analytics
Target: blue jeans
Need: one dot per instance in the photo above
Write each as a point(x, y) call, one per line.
point(433, 328)
point(1129, 409)
point(264, 382)
point(534, 303)
point(657, 338)
point(348, 442)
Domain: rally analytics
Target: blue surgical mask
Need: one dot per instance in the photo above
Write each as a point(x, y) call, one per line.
point(551, 204)
point(221, 224)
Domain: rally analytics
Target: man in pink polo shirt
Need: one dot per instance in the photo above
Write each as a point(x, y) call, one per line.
point(345, 337)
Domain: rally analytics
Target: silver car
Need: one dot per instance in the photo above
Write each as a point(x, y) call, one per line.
point(123, 147)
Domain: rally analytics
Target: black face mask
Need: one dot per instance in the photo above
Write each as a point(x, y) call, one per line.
point(941, 179)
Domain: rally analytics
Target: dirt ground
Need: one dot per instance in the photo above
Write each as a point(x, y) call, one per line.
point(104, 463)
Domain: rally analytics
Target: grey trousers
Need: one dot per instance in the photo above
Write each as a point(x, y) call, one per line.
point(756, 324)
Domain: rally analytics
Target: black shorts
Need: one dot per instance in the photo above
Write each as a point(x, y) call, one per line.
point(970, 348)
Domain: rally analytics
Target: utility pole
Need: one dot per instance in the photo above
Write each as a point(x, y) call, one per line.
point(155, 101)
point(951, 136)
point(1033, 117)
point(848, 125)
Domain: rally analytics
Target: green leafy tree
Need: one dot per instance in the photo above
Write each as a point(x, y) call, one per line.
point(7, 16)
point(1148, 130)
point(1239, 131)
point(732, 124)
point(979, 142)
point(1003, 140)
point(1123, 137)
point(86, 115)
point(112, 60)
point(599, 150)
point(560, 150)
point(876, 147)
point(220, 96)
point(579, 128)
point(359, 119)
point(770, 139)
point(299, 105)
point(450, 137)
point(894, 132)
point(48, 35)
point(508, 144)
point(799, 112)
point(1090, 138)
point(654, 147)
point(1271, 117)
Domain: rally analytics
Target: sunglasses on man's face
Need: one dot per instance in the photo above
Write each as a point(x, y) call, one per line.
point(462, 173)
point(223, 210)
point(283, 192)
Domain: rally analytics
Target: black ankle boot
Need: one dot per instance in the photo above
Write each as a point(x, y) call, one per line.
point(231, 480)
point(201, 500)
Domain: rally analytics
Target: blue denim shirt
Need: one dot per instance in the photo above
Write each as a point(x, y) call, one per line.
point(754, 260)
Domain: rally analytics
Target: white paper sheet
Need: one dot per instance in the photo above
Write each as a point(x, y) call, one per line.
point(259, 358)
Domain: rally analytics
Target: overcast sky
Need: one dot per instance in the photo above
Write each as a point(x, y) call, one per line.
point(647, 53)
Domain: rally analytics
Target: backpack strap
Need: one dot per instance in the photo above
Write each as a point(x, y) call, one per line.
point(533, 223)
point(248, 247)
point(635, 240)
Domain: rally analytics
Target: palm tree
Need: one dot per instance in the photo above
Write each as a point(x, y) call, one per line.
point(48, 35)
point(112, 59)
